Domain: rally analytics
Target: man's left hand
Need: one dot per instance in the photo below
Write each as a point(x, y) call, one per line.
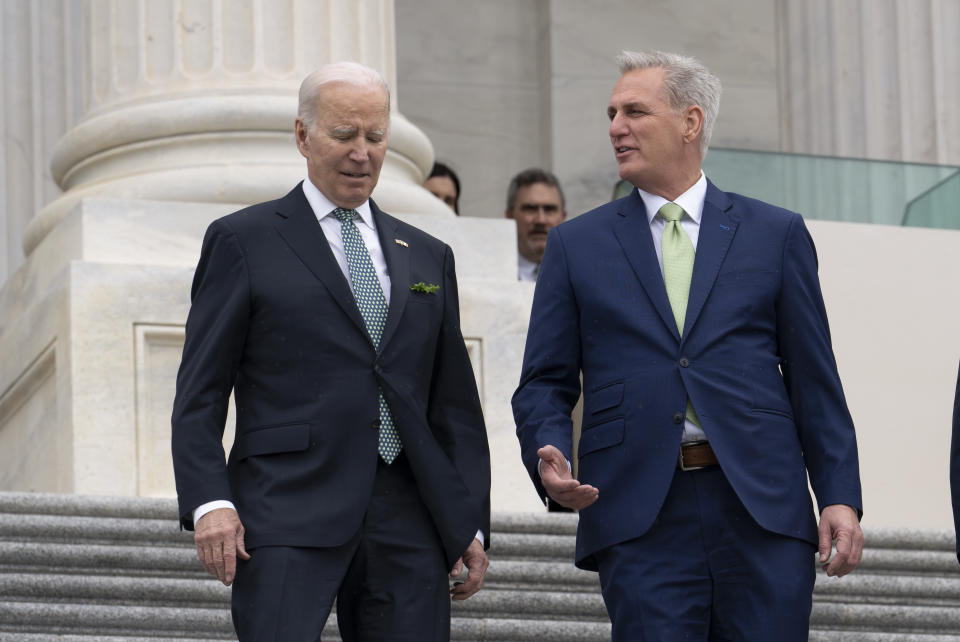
point(839, 523)
point(476, 562)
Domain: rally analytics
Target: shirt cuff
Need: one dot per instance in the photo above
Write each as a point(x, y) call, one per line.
point(203, 509)
point(480, 537)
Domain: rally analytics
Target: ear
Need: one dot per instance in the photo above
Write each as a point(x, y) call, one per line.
point(508, 213)
point(300, 132)
point(692, 123)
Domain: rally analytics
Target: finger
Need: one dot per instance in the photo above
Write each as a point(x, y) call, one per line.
point(838, 565)
point(229, 561)
point(463, 590)
point(217, 560)
point(457, 568)
point(856, 555)
point(241, 547)
point(826, 540)
point(552, 482)
point(549, 453)
point(203, 557)
point(582, 503)
point(206, 558)
point(580, 497)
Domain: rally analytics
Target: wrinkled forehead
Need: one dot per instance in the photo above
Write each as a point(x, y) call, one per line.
point(348, 103)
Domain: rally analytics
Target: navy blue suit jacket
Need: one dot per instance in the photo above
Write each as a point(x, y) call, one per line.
point(955, 466)
point(755, 359)
point(274, 320)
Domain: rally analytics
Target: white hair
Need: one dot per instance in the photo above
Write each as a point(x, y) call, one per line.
point(687, 82)
point(349, 72)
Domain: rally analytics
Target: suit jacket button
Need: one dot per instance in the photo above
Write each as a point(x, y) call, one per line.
point(678, 418)
point(684, 362)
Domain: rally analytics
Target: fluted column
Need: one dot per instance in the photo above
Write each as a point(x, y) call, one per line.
point(194, 100)
point(871, 78)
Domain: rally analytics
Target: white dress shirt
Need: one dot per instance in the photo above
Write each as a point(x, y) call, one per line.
point(323, 210)
point(692, 203)
point(526, 269)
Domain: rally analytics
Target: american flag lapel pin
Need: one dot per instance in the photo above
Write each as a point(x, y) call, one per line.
point(399, 242)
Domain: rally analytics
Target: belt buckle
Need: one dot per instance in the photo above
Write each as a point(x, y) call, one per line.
point(683, 466)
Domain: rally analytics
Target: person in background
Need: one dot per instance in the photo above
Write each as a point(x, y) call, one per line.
point(444, 184)
point(535, 201)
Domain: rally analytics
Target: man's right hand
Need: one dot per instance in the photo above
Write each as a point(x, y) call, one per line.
point(219, 539)
point(560, 484)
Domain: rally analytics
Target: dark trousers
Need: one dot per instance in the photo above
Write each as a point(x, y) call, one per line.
point(706, 571)
point(390, 580)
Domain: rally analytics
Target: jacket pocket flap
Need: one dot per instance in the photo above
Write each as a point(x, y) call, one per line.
point(608, 396)
point(609, 433)
point(269, 441)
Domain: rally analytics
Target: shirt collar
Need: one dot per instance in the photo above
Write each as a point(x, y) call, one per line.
point(691, 201)
point(323, 206)
point(526, 266)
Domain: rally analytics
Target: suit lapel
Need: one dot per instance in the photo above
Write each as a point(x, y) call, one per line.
point(717, 228)
point(398, 267)
point(298, 226)
point(633, 233)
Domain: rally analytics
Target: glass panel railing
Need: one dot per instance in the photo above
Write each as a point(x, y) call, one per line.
point(842, 189)
point(937, 207)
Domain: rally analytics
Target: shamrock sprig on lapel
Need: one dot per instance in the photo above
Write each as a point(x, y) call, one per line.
point(425, 288)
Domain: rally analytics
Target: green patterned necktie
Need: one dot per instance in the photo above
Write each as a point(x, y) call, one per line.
point(373, 308)
point(678, 255)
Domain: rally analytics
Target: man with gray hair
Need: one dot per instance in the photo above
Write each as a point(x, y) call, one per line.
point(535, 202)
point(710, 387)
point(360, 469)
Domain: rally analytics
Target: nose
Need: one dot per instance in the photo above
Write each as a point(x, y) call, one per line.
point(360, 152)
point(617, 127)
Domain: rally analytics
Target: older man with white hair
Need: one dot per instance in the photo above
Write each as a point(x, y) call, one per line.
point(360, 468)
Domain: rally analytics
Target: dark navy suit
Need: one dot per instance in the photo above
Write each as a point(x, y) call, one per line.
point(274, 321)
point(755, 359)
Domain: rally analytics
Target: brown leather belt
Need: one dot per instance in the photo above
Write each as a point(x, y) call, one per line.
point(695, 455)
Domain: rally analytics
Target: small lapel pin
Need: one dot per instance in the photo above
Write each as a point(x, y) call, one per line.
point(399, 242)
point(725, 228)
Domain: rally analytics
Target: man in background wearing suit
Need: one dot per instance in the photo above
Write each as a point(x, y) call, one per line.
point(535, 201)
point(709, 382)
point(360, 469)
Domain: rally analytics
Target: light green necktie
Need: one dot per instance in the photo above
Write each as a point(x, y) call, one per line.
point(678, 255)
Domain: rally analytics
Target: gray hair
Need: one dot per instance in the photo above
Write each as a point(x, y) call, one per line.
point(687, 82)
point(533, 176)
point(349, 72)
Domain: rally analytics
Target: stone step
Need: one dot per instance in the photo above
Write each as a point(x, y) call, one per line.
point(112, 589)
point(73, 528)
point(25, 621)
point(86, 568)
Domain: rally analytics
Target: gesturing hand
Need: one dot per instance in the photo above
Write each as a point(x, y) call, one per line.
point(476, 562)
point(839, 522)
point(560, 484)
point(219, 539)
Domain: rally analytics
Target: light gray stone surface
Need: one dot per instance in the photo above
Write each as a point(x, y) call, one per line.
point(78, 569)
